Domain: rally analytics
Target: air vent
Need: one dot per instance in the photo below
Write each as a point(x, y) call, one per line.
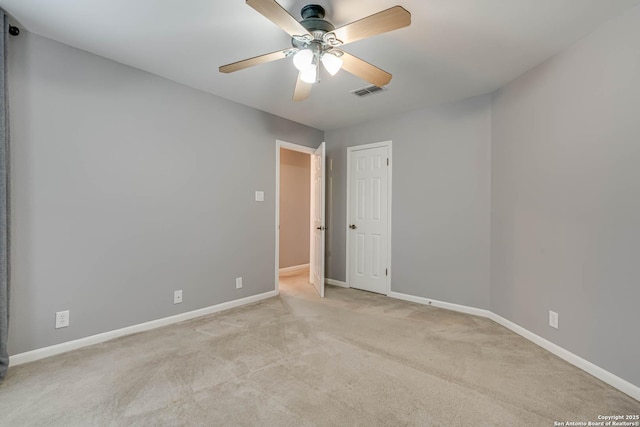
point(369, 90)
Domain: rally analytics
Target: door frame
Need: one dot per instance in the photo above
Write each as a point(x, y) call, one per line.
point(293, 147)
point(351, 149)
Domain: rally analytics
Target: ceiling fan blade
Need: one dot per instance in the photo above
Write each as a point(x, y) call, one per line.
point(302, 90)
point(256, 60)
point(279, 16)
point(378, 23)
point(364, 70)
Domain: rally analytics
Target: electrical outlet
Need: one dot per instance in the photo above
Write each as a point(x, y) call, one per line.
point(553, 319)
point(238, 282)
point(177, 297)
point(62, 319)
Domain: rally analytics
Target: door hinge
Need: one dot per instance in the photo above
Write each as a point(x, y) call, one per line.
point(387, 161)
point(386, 271)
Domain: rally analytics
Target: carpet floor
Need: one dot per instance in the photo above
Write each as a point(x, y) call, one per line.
point(350, 359)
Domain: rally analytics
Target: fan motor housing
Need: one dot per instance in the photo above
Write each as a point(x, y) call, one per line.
point(312, 20)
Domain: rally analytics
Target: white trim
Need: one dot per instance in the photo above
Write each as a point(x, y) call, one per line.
point(368, 146)
point(590, 368)
point(336, 283)
point(389, 219)
point(441, 304)
point(41, 353)
point(389, 145)
point(286, 271)
point(294, 147)
point(346, 223)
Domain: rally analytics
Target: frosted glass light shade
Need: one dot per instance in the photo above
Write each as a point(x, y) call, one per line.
point(331, 63)
point(302, 59)
point(309, 74)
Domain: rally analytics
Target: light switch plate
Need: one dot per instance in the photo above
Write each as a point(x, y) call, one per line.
point(259, 196)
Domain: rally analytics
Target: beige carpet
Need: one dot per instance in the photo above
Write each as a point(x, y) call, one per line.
point(354, 358)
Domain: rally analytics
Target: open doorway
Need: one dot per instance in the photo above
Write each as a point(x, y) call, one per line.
point(300, 228)
point(295, 199)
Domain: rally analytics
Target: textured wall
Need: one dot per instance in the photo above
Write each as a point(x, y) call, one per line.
point(127, 186)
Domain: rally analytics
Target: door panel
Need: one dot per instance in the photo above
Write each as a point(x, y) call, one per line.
point(368, 222)
point(316, 270)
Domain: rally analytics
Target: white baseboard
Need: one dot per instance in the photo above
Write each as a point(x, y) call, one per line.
point(590, 368)
point(336, 283)
point(441, 304)
point(292, 270)
point(41, 353)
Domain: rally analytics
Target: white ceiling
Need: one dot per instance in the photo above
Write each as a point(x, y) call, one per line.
point(453, 49)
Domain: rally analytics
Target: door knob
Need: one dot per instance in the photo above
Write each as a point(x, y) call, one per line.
point(353, 226)
point(321, 228)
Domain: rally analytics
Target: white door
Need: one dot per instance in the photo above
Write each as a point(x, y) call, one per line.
point(368, 218)
point(316, 270)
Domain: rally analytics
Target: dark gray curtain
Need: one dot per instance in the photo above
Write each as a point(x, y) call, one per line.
point(4, 201)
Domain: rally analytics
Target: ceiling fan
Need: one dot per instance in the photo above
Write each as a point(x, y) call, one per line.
point(316, 41)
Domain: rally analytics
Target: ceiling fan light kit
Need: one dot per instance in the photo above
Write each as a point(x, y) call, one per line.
point(316, 41)
point(306, 61)
point(309, 74)
point(332, 62)
point(302, 59)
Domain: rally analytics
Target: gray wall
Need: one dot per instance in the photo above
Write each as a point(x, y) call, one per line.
point(566, 198)
point(126, 187)
point(295, 189)
point(441, 199)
